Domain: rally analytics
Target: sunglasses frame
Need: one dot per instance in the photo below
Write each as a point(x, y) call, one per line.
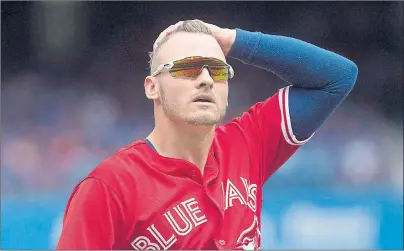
point(171, 64)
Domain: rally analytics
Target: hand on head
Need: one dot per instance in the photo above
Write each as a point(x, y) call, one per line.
point(225, 37)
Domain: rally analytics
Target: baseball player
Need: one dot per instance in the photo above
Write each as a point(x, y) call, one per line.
point(192, 184)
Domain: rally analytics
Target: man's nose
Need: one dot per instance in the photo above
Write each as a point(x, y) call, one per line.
point(204, 79)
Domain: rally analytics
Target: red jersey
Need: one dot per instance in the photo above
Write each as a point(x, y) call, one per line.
point(137, 199)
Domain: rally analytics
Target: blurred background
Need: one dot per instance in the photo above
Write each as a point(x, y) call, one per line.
point(72, 94)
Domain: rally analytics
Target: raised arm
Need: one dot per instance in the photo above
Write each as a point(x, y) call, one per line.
point(320, 79)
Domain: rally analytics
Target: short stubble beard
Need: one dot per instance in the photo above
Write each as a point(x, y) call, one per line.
point(172, 111)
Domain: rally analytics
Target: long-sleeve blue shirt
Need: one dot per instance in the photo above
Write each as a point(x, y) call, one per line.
point(320, 79)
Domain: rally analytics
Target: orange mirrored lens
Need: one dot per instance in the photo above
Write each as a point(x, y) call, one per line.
point(191, 68)
point(219, 73)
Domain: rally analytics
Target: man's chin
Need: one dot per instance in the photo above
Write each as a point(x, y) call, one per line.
point(203, 120)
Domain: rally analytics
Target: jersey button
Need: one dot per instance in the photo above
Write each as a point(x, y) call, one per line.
point(222, 242)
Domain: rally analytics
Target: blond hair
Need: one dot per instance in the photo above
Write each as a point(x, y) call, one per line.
point(191, 26)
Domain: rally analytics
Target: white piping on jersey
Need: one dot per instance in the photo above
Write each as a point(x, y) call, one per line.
point(286, 125)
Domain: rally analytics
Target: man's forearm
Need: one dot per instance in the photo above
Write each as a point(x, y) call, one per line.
point(295, 61)
point(321, 79)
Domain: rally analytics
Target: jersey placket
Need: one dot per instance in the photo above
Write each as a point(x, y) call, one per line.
point(213, 190)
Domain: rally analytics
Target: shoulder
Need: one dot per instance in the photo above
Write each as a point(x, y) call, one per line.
point(122, 170)
point(265, 113)
point(126, 159)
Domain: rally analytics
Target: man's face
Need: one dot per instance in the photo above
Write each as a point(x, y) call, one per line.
point(176, 95)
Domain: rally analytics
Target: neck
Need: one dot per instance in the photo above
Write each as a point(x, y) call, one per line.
point(188, 142)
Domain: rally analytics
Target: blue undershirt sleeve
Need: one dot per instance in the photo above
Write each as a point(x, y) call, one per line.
point(320, 79)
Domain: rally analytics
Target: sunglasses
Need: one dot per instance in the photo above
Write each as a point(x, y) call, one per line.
point(191, 67)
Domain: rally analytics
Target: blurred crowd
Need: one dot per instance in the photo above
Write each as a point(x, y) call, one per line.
point(51, 138)
point(57, 124)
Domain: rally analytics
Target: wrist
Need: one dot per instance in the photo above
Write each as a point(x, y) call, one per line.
point(230, 37)
point(244, 45)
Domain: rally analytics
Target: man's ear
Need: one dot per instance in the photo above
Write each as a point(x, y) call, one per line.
point(151, 88)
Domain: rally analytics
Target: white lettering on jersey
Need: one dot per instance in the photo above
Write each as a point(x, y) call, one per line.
point(144, 243)
point(194, 214)
point(191, 216)
point(159, 237)
point(193, 211)
point(251, 190)
point(222, 189)
point(180, 231)
point(232, 193)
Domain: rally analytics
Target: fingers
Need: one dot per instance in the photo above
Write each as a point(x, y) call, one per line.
point(170, 29)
